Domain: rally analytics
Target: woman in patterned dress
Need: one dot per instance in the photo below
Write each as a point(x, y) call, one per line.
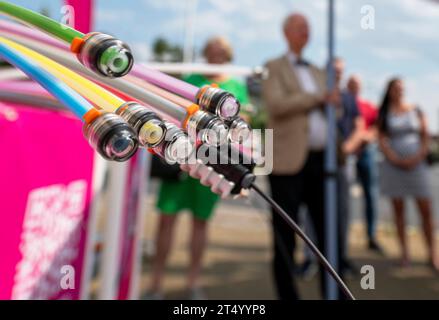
point(404, 139)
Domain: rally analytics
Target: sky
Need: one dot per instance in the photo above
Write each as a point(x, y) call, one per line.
point(404, 40)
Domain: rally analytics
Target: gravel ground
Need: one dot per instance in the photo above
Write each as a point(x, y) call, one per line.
point(237, 263)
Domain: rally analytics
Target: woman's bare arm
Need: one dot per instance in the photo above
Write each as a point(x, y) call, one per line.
point(356, 139)
point(386, 149)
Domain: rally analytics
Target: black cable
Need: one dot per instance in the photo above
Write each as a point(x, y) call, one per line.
point(308, 241)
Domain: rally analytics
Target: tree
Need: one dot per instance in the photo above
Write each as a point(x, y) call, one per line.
point(165, 52)
point(45, 11)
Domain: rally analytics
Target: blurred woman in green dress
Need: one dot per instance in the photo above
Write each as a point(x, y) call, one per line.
point(188, 193)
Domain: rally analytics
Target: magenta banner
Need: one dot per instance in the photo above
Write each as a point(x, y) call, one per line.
point(45, 192)
point(83, 14)
point(136, 179)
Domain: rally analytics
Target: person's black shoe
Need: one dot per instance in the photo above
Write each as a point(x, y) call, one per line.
point(348, 268)
point(307, 270)
point(196, 293)
point(374, 246)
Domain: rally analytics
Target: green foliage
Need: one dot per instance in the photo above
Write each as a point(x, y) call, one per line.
point(166, 52)
point(45, 12)
point(434, 150)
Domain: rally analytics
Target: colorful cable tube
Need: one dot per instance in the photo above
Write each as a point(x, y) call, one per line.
point(150, 127)
point(183, 102)
point(112, 134)
point(38, 100)
point(22, 30)
point(85, 87)
point(172, 110)
point(106, 132)
point(209, 98)
point(27, 87)
point(239, 130)
point(204, 126)
point(100, 52)
point(207, 127)
point(71, 99)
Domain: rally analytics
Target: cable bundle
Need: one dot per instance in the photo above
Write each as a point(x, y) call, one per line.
point(146, 108)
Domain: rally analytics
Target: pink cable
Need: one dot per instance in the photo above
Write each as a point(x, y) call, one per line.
point(27, 32)
point(152, 76)
point(25, 87)
point(164, 81)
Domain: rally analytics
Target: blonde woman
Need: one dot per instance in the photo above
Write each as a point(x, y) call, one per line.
point(188, 193)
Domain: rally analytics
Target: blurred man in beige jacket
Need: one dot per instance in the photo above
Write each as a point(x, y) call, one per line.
point(294, 95)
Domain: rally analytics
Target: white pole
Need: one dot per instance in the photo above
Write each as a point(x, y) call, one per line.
point(111, 252)
point(99, 168)
point(204, 68)
point(145, 163)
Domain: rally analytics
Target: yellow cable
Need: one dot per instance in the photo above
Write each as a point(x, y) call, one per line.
point(90, 90)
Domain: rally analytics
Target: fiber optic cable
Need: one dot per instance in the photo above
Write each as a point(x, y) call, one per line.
point(28, 87)
point(85, 87)
point(98, 51)
point(209, 98)
point(293, 225)
point(239, 130)
point(151, 129)
point(243, 176)
point(172, 110)
point(183, 102)
point(71, 99)
point(206, 127)
point(31, 99)
point(107, 133)
point(21, 30)
point(46, 24)
point(164, 81)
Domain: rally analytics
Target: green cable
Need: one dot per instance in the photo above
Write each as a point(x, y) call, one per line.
point(41, 22)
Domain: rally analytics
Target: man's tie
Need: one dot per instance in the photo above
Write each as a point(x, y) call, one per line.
point(301, 62)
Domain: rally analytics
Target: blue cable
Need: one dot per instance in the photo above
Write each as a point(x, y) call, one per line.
point(67, 96)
